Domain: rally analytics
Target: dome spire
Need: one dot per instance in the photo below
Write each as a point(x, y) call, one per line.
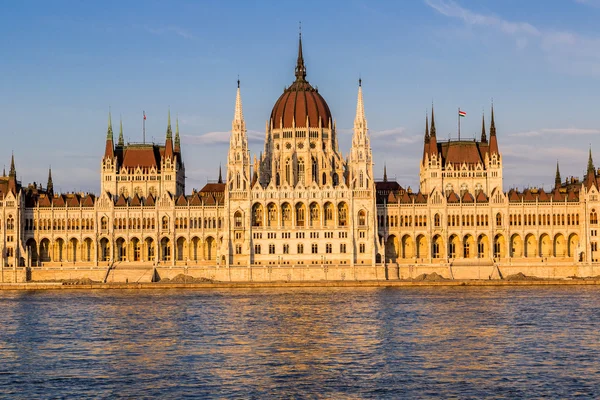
point(300, 67)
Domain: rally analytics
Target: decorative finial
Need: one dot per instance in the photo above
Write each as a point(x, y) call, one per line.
point(238, 81)
point(359, 80)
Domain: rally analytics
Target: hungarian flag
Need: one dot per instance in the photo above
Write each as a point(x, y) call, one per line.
point(462, 113)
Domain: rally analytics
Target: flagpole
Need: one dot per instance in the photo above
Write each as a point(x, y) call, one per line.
point(459, 123)
point(144, 127)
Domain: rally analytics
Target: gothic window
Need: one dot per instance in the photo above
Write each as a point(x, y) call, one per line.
point(498, 219)
point(315, 176)
point(238, 181)
point(314, 214)
point(286, 212)
point(272, 210)
point(343, 248)
point(593, 217)
point(361, 179)
point(335, 179)
point(342, 214)
point(328, 248)
point(315, 248)
point(286, 249)
point(277, 180)
point(324, 178)
point(362, 218)
point(436, 220)
point(257, 249)
point(238, 249)
point(328, 213)
point(165, 222)
point(238, 219)
point(287, 172)
point(271, 249)
point(300, 211)
point(10, 223)
point(104, 223)
point(257, 215)
point(301, 171)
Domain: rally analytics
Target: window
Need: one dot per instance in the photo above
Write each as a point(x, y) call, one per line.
point(498, 219)
point(165, 223)
point(238, 219)
point(315, 248)
point(362, 218)
point(286, 249)
point(594, 246)
point(466, 250)
point(271, 249)
point(10, 223)
point(104, 223)
point(480, 250)
point(593, 217)
point(328, 248)
point(362, 234)
point(257, 249)
point(238, 235)
point(361, 248)
point(300, 248)
point(497, 249)
point(238, 249)
point(343, 248)
point(342, 214)
point(436, 220)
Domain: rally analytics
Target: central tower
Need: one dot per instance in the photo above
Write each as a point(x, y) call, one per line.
point(301, 142)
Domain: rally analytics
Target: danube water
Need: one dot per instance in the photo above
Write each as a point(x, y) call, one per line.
point(347, 343)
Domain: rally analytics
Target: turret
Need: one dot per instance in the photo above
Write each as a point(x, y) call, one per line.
point(493, 139)
point(169, 140)
point(121, 142)
point(557, 180)
point(177, 139)
point(50, 185)
point(483, 135)
point(432, 136)
point(590, 176)
point(109, 151)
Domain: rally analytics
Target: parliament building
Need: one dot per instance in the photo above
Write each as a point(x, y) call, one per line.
point(302, 204)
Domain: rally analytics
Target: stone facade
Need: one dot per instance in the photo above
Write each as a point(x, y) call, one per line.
point(302, 210)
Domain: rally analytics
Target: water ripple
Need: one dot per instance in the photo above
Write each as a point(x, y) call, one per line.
point(351, 343)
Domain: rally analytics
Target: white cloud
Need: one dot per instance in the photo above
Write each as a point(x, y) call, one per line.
point(568, 51)
point(171, 29)
point(214, 138)
point(556, 131)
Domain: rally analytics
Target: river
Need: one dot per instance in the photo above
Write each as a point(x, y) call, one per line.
point(418, 342)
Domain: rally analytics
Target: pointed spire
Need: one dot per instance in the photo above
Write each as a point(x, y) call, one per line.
point(384, 172)
point(426, 128)
point(177, 139)
point(432, 133)
point(483, 135)
point(121, 142)
point(50, 185)
point(557, 180)
point(4, 170)
point(492, 124)
point(109, 131)
point(169, 141)
point(590, 166)
point(220, 175)
point(169, 131)
point(13, 171)
point(300, 67)
point(493, 139)
point(238, 114)
point(360, 122)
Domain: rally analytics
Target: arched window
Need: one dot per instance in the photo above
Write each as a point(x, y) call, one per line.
point(436, 220)
point(361, 179)
point(288, 177)
point(10, 223)
point(498, 219)
point(362, 218)
point(342, 214)
point(315, 174)
point(335, 179)
point(238, 181)
point(593, 217)
point(238, 219)
point(324, 178)
point(301, 171)
point(165, 223)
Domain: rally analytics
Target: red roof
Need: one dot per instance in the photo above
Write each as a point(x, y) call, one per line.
point(144, 156)
point(297, 102)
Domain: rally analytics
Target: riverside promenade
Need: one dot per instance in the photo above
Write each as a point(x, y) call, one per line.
point(283, 284)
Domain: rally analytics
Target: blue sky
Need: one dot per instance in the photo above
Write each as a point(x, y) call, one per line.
point(65, 63)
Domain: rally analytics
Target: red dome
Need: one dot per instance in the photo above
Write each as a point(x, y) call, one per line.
point(299, 101)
